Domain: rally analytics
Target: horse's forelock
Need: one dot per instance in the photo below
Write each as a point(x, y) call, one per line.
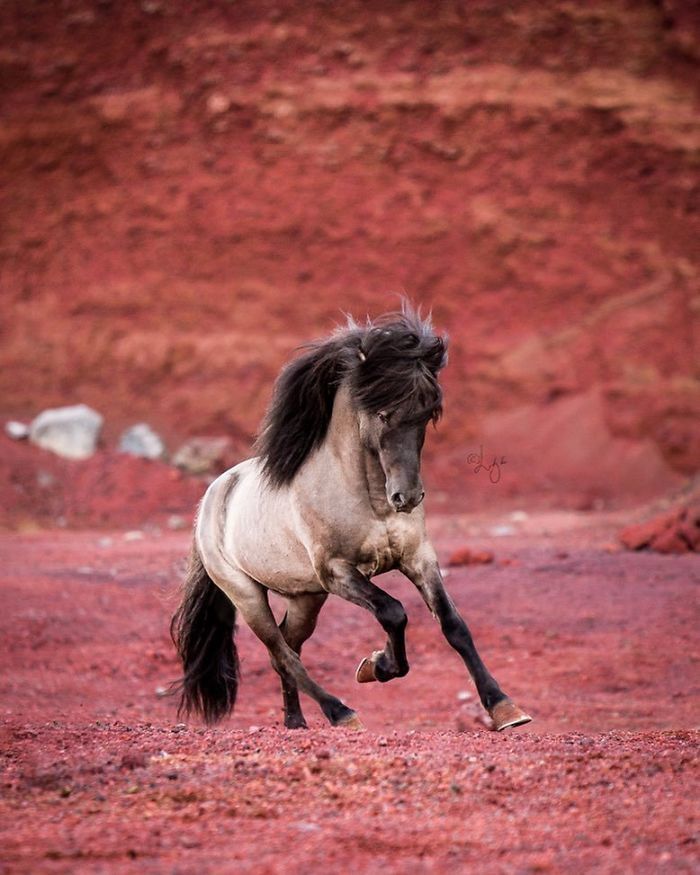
point(401, 358)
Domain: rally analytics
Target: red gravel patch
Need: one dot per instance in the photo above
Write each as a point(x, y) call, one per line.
point(98, 775)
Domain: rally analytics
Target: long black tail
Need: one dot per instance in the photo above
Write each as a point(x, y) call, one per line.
point(202, 631)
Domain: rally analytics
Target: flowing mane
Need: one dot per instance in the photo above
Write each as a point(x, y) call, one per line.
point(389, 363)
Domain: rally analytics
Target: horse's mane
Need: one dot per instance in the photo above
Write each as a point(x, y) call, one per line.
point(389, 363)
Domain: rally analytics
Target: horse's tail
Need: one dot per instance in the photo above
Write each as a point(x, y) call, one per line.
point(202, 631)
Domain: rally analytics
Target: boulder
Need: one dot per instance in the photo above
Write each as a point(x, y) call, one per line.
point(71, 432)
point(205, 455)
point(140, 440)
point(669, 541)
point(676, 531)
point(641, 534)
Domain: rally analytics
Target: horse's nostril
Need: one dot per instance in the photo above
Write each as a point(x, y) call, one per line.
point(397, 499)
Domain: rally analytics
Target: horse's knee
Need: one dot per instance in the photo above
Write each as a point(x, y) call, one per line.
point(392, 615)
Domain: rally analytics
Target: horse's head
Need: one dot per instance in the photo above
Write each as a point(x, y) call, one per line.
point(396, 388)
point(397, 441)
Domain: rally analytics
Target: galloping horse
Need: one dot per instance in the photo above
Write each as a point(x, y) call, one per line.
point(332, 499)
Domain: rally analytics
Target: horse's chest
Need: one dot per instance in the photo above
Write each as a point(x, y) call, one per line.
point(383, 548)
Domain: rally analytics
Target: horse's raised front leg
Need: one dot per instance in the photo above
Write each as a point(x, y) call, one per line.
point(342, 579)
point(297, 625)
point(425, 574)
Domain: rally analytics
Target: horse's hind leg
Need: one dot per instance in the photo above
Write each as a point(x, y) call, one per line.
point(250, 598)
point(298, 624)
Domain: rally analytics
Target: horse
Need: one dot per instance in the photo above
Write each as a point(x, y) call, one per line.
point(332, 498)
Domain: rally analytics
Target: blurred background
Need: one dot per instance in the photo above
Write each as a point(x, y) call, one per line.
point(192, 189)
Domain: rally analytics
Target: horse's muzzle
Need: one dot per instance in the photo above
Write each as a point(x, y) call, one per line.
point(405, 502)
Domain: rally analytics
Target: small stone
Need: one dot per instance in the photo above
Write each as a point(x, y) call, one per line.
point(18, 431)
point(45, 479)
point(218, 103)
point(140, 440)
point(304, 826)
point(205, 455)
point(176, 523)
point(161, 692)
point(71, 432)
point(465, 556)
point(134, 535)
point(501, 531)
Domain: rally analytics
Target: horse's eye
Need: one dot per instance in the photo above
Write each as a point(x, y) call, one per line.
point(383, 416)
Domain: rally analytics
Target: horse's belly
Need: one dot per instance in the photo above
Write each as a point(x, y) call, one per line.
point(281, 570)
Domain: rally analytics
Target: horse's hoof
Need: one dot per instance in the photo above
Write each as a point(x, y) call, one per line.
point(365, 670)
point(351, 722)
point(506, 713)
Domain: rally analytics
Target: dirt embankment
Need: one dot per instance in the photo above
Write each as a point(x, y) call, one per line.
point(190, 190)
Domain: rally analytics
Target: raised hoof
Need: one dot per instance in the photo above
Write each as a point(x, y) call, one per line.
point(351, 722)
point(506, 713)
point(365, 670)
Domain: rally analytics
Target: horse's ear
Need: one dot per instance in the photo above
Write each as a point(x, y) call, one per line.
point(298, 417)
point(436, 356)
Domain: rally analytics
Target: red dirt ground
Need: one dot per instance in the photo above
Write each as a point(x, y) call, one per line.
point(599, 645)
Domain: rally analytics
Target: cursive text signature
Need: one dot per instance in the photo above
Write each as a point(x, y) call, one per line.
point(494, 469)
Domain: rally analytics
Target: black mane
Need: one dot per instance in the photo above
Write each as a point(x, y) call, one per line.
point(390, 363)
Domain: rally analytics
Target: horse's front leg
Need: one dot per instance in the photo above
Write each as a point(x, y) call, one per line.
point(342, 579)
point(424, 572)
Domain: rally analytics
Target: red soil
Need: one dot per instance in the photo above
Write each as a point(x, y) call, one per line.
point(39, 489)
point(599, 645)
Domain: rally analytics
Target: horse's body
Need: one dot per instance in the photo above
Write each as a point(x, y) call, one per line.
point(333, 499)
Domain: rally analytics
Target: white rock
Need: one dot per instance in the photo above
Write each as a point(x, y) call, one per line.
point(71, 432)
point(18, 431)
point(140, 440)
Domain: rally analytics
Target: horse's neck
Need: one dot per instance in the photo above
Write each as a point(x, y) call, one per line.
point(362, 472)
